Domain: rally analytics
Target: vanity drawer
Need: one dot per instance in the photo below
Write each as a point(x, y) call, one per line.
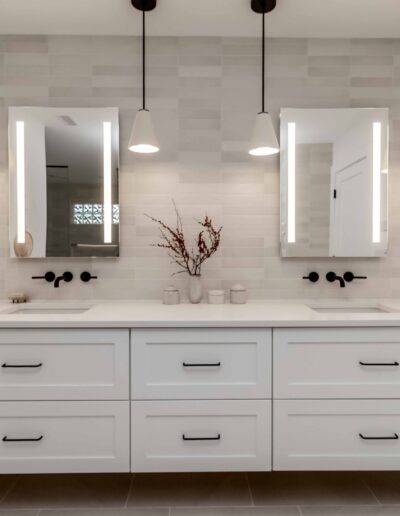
point(66, 437)
point(336, 435)
point(201, 363)
point(337, 363)
point(201, 436)
point(64, 364)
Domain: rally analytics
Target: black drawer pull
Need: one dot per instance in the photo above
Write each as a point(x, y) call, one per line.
point(390, 438)
point(216, 364)
point(33, 440)
point(386, 364)
point(15, 366)
point(217, 438)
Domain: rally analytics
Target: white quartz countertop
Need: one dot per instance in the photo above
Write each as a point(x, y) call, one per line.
point(152, 314)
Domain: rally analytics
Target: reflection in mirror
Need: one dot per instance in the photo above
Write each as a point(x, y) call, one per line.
point(64, 182)
point(334, 182)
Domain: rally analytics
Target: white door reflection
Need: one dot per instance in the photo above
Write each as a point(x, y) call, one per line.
point(334, 182)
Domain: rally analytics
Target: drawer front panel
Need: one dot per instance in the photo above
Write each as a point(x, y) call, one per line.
point(336, 435)
point(201, 363)
point(201, 436)
point(64, 437)
point(64, 364)
point(337, 363)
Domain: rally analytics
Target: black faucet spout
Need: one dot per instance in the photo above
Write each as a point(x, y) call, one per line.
point(67, 277)
point(332, 276)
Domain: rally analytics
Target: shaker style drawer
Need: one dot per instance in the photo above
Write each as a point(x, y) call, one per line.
point(337, 363)
point(64, 364)
point(201, 436)
point(201, 363)
point(64, 437)
point(336, 435)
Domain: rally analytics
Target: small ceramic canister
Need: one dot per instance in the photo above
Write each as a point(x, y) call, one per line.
point(216, 297)
point(171, 296)
point(238, 294)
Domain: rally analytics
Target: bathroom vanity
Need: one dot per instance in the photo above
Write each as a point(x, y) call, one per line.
point(144, 387)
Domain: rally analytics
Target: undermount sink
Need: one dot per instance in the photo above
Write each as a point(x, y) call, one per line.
point(46, 310)
point(350, 309)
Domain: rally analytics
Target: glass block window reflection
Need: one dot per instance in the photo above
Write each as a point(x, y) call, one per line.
point(93, 214)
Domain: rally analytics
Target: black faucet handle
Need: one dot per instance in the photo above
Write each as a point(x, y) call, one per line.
point(68, 276)
point(313, 277)
point(86, 276)
point(49, 277)
point(349, 277)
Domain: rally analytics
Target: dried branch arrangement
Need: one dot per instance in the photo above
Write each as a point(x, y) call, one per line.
point(173, 239)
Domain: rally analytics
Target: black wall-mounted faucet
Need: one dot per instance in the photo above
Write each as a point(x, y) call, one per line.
point(67, 277)
point(332, 276)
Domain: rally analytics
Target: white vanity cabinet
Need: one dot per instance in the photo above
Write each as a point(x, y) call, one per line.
point(64, 401)
point(336, 399)
point(201, 399)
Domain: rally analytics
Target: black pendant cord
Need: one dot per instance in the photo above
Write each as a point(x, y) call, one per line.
point(263, 65)
point(144, 59)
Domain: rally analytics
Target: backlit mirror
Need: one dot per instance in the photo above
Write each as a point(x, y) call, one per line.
point(63, 182)
point(334, 182)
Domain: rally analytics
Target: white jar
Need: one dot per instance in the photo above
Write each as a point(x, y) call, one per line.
point(216, 297)
point(238, 294)
point(171, 296)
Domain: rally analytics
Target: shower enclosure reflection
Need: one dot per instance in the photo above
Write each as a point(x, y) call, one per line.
point(64, 182)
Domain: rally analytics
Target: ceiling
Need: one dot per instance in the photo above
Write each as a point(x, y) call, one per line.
point(292, 18)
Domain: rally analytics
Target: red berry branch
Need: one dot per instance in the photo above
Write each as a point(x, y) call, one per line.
point(173, 239)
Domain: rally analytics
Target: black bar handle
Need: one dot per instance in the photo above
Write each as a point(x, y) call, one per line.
point(377, 438)
point(378, 364)
point(217, 438)
point(49, 277)
point(313, 277)
point(29, 440)
point(216, 364)
point(16, 366)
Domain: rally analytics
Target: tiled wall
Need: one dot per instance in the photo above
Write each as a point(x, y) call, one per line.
point(204, 94)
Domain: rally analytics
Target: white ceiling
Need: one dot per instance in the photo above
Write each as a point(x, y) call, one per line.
point(292, 18)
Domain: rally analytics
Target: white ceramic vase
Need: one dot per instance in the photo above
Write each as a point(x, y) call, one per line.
point(195, 289)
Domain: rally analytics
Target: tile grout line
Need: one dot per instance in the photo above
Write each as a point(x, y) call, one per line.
point(129, 491)
point(249, 488)
point(371, 491)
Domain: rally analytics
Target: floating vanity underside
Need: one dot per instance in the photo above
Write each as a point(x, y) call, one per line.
point(199, 399)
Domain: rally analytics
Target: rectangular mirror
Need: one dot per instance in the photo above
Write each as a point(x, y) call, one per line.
point(334, 182)
point(63, 166)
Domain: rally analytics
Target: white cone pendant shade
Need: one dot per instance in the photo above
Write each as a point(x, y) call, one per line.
point(264, 141)
point(143, 137)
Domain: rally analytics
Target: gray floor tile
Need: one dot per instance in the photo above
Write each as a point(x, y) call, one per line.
point(379, 510)
point(28, 512)
point(190, 490)
point(6, 482)
point(133, 511)
point(237, 511)
point(385, 485)
point(309, 488)
point(64, 491)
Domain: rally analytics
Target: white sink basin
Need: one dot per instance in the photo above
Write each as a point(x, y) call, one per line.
point(350, 309)
point(46, 310)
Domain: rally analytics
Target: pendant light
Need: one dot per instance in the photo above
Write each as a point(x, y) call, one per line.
point(143, 137)
point(264, 141)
